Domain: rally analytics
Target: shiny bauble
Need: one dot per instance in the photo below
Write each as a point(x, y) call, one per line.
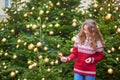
point(51, 32)
point(39, 44)
point(40, 57)
point(74, 20)
point(110, 71)
point(46, 60)
point(74, 24)
point(108, 16)
point(45, 48)
point(43, 26)
point(118, 30)
point(52, 63)
point(34, 27)
point(31, 46)
point(56, 61)
point(41, 12)
point(57, 25)
point(4, 40)
point(14, 56)
point(35, 49)
point(29, 62)
point(30, 66)
point(95, 5)
point(48, 69)
point(58, 46)
point(58, 3)
point(12, 74)
point(60, 54)
point(12, 30)
point(25, 15)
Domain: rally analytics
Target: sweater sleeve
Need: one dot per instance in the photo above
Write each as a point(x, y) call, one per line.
point(74, 51)
point(98, 56)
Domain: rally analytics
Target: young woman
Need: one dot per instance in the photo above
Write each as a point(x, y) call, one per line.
point(87, 50)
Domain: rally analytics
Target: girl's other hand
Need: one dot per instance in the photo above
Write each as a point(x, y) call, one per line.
point(63, 59)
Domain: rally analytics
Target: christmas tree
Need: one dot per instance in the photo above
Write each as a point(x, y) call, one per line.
point(33, 35)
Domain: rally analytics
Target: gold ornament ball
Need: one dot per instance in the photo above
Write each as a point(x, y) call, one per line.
point(19, 41)
point(38, 18)
point(52, 62)
point(29, 62)
point(30, 66)
point(43, 78)
point(90, 15)
point(56, 61)
point(34, 64)
point(41, 12)
point(74, 20)
point(110, 71)
point(58, 46)
point(46, 18)
point(46, 60)
point(109, 51)
point(61, 14)
point(74, 24)
point(108, 16)
point(48, 69)
point(5, 67)
point(58, 3)
point(45, 48)
point(36, 33)
point(17, 46)
point(51, 25)
point(39, 44)
point(34, 27)
point(71, 49)
point(25, 15)
point(57, 25)
point(14, 56)
point(101, 9)
point(115, 27)
point(95, 5)
point(12, 74)
point(118, 30)
point(16, 71)
point(73, 39)
point(43, 26)
point(60, 54)
point(51, 32)
point(119, 48)
point(31, 46)
point(25, 43)
point(4, 40)
point(12, 30)
point(6, 54)
point(33, 8)
point(112, 49)
point(117, 59)
point(35, 49)
point(40, 57)
point(47, 12)
point(27, 26)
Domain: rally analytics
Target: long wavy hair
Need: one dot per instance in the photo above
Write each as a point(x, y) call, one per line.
point(95, 33)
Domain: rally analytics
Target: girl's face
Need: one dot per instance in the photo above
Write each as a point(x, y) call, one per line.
point(86, 30)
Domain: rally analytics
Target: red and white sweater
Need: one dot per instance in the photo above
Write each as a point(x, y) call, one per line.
point(81, 53)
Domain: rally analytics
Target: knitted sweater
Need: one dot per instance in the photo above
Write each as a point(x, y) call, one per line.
point(83, 52)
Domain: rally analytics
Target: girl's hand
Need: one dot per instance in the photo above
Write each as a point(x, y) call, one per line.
point(63, 59)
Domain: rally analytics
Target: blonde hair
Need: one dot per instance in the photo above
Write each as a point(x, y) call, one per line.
point(95, 34)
